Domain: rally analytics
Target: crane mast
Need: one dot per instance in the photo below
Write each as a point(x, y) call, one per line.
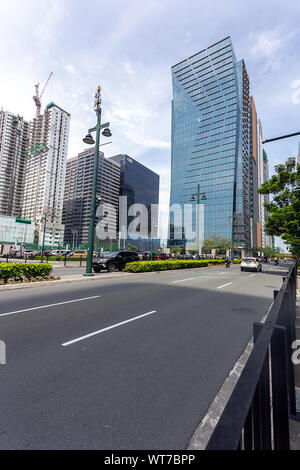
point(37, 97)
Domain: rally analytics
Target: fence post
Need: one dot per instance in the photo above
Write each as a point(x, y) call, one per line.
point(279, 389)
point(262, 401)
point(65, 260)
point(80, 260)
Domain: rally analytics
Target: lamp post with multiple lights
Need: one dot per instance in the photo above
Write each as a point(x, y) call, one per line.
point(203, 198)
point(90, 141)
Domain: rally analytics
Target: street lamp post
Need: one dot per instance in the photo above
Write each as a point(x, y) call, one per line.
point(232, 217)
point(203, 198)
point(44, 234)
point(89, 140)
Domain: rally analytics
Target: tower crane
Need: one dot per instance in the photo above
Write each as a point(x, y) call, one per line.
point(37, 98)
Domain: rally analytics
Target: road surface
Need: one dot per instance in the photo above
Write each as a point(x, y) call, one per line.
point(125, 363)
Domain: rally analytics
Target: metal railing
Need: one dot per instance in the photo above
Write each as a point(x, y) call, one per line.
point(44, 258)
point(256, 416)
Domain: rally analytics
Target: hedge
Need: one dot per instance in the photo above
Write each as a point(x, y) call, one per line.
point(18, 271)
point(145, 266)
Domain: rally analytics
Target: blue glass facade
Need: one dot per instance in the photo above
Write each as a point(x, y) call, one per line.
point(210, 141)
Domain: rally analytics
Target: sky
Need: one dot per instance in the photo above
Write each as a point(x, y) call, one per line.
point(128, 47)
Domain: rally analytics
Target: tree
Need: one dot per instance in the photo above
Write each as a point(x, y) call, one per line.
point(267, 251)
point(192, 252)
point(283, 218)
point(131, 247)
point(176, 250)
point(216, 243)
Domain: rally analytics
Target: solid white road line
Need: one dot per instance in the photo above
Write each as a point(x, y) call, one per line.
point(107, 328)
point(50, 305)
point(220, 287)
point(183, 280)
point(251, 275)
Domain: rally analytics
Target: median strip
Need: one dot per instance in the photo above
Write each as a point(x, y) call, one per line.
point(50, 305)
point(81, 338)
point(224, 285)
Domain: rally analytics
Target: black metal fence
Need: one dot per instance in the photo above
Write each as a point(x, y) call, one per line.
point(45, 258)
point(257, 414)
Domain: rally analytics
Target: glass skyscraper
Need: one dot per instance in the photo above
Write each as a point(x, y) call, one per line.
point(210, 143)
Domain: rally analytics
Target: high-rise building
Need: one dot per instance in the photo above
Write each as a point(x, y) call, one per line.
point(259, 173)
point(45, 173)
point(13, 146)
point(210, 144)
point(78, 192)
point(141, 186)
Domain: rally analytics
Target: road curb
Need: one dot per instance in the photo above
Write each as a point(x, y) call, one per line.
point(59, 281)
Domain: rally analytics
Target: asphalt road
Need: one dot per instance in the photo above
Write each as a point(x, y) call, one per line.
point(79, 375)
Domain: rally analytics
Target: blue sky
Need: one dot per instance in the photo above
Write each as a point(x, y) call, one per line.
point(128, 47)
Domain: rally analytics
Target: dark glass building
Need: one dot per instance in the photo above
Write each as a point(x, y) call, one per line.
point(141, 186)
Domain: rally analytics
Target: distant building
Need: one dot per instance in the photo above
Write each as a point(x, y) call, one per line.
point(15, 231)
point(259, 173)
point(78, 192)
point(45, 173)
point(14, 134)
point(141, 186)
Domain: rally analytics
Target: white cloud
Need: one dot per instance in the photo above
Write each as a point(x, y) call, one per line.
point(266, 43)
point(296, 93)
point(70, 68)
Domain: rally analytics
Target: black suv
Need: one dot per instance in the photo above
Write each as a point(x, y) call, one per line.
point(114, 261)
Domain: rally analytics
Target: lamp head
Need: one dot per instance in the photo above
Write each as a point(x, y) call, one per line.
point(88, 139)
point(106, 132)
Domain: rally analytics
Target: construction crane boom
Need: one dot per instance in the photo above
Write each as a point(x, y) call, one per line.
point(37, 97)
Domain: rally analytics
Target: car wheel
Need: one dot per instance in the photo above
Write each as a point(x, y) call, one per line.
point(112, 268)
point(242, 269)
point(96, 269)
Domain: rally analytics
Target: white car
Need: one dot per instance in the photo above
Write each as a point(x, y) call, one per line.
point(251, 264)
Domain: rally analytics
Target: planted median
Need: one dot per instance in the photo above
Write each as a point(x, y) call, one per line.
point(12, 273)
point(147, 266)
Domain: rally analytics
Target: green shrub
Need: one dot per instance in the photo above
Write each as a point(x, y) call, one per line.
point(147, 266)
point(17, 271)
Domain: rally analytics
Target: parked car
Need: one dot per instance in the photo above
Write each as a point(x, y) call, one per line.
point(144, 255)
point(78, 254)
point(160, 256)
point(251, 264)
point(29, 254)
point(114, 261)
